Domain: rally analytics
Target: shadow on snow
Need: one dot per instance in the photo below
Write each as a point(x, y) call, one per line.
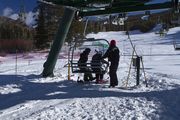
point(170, 99)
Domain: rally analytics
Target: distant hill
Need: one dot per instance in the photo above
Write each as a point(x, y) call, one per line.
point(11, 21)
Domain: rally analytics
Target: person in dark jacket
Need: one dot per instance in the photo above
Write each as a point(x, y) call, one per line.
point(96, 66)
point(113, 56)
point(82, 64)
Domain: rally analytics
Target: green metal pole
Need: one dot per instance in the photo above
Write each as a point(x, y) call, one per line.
point(58, 42)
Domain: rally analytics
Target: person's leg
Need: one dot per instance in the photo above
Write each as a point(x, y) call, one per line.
point(101, 76)
point(113, 76)
point(101, 79)
point(90, 76)
point(97, 78)
point(86, 77)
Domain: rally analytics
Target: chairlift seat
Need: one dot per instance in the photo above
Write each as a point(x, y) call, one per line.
point(177, 47)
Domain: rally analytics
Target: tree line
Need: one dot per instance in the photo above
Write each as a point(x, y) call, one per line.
point(15, 36)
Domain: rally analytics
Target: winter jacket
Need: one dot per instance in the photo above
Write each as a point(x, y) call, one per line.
point(83, 59)
point(97, 62)
point(113, 55)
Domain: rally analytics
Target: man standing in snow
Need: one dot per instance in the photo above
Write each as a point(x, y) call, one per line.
point(113, 56)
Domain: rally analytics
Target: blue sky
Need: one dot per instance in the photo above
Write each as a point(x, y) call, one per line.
point(15, 5)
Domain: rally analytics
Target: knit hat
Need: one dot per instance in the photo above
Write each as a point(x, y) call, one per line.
point(112, 43)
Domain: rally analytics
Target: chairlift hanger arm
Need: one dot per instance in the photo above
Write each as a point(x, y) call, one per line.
point(77, 3)
point(90, 3)
point(93, 7)
point(131, 8)
point(121, 3)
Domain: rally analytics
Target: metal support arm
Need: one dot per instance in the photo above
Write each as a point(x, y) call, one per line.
point(58, 42)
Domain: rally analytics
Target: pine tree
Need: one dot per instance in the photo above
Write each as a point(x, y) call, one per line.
point(53, 15)
point(41, 37)
point(76, 31)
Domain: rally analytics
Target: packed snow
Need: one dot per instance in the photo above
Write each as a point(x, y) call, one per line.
point(25, 95)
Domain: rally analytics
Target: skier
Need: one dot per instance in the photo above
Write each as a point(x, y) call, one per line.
point(96, 65)
point(113, 56)
point(82, 64)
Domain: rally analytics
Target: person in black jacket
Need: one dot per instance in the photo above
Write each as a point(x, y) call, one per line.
point(113, 56)
point(82, 64)
point(96, 66)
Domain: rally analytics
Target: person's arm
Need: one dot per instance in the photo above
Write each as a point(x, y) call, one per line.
point(106, 53)
point(105, 62)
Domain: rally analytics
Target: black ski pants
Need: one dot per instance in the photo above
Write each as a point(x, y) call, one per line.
point(113, 75)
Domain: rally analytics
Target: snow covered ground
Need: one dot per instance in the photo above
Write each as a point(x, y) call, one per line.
point(25, 95)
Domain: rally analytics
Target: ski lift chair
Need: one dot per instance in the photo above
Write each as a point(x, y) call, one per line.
point(93, 44)
point(163, 30)
point(176, 45)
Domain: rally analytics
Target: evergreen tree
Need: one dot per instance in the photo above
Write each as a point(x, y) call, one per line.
point(41, 37)
point(53, 15)
point(76, 31)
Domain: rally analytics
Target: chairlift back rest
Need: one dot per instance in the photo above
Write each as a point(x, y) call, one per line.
point(87, 68)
